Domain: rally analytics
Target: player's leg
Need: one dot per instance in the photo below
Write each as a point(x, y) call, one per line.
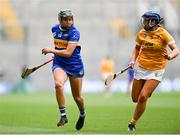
point(136, 89)
point(148, 87)
point(76, 87)
point(146, 91)
point(60, 78)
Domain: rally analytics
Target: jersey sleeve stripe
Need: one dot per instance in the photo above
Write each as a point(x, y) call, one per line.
point(172, 42)
point(74, 42)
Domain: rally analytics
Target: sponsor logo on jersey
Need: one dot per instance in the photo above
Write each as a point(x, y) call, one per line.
point(60, 43)
point(66, 35)
point(60, 35)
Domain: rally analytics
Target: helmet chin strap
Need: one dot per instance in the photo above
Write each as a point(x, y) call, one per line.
point(64, 28)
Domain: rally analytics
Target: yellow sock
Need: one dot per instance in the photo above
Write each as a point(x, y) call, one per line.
point(133, 121)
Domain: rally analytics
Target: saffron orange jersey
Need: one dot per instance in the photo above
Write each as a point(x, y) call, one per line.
point(153, 44)
point(107, 66)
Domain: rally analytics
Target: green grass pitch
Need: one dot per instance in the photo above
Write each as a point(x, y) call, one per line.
point(38, 113)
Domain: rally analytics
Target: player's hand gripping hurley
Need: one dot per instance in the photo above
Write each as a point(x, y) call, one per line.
point(111, 77)
point(27, 71)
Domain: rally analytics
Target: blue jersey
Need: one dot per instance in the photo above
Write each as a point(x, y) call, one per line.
point(72, 65)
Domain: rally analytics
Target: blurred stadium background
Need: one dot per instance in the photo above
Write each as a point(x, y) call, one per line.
point(107, 27)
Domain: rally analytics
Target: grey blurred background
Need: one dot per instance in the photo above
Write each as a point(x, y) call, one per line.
point(107, 27)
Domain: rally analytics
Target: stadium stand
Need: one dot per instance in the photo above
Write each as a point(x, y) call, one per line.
point(97, 37)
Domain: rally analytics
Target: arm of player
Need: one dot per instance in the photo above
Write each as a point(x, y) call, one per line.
point(134, 55)
point(173, 54)
point(64, 53)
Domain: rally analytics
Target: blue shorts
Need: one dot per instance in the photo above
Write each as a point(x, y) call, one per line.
point(78, 74)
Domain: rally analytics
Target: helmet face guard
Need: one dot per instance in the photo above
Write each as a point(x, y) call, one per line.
point(65, 13)
point(147, 24)
point(150, 19)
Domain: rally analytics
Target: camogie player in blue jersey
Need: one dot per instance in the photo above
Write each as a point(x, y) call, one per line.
point(67, 63)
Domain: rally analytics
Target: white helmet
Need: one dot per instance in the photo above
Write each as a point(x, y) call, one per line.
point(65, 13)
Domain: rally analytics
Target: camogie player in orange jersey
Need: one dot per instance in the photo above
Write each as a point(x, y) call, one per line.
point(107, 67)
point(151, 54)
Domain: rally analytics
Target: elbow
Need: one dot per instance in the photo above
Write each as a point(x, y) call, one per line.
point(68, 54)
point(178, 52)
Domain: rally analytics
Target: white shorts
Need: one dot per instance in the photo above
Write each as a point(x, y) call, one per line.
point(144, 74)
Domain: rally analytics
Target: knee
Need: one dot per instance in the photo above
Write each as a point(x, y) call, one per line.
point(59, 85)
point(134, 100)
point(78, 99)
point(142, 99)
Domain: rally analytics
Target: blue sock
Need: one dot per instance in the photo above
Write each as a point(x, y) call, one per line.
point(82, 113)
point(62, 111)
